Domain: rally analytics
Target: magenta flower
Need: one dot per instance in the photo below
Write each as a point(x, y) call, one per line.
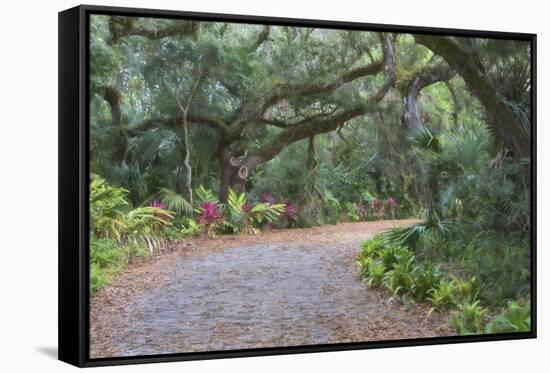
point(209, 213)
point(267, 197)
point(157, 204)
point(378, 207)
point(359, 209)
point(291, 212)
point(247, 207)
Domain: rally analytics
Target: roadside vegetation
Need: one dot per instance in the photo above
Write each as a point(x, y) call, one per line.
point(213, 128)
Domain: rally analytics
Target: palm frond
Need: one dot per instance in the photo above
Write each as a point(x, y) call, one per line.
point(175, 202)
point(423, 138)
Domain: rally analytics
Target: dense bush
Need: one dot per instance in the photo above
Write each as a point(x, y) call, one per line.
point(515, 317)
point(398, 269)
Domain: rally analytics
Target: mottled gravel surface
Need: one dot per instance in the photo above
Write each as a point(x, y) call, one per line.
point(281, 288)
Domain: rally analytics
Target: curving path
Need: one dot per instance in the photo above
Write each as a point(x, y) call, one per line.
point(282, 288)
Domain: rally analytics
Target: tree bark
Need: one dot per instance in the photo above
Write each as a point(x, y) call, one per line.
point(114, 99)
point(501, 118)
point(410, 116)
point(231, 171)
point(122, 26)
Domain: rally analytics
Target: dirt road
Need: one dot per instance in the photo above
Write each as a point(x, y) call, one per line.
point(281, 288)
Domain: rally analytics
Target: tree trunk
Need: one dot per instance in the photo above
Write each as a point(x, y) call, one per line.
point(113, 98)
point(229, 172)
point(186, 161)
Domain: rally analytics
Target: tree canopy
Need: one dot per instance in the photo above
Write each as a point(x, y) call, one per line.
point(178, 103)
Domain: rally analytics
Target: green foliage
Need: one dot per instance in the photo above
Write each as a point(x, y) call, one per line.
point(244, 218)
point(190, 228)
point(400, 279)
point(422, 137)
point(515, 317)
point(453, 171)
point(106, 208)
point(396, 268)
point(175, 202)
point(203, 194)
point(120, 232)
point(443, 296)
point(469, 318)
point(426, 277)
point(106, 260)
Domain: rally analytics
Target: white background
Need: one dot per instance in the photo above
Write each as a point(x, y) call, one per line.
point(28, 185)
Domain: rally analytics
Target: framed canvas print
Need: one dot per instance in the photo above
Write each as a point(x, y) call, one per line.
point(237, 186)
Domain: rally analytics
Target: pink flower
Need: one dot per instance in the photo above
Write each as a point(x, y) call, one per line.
point(158, 205)
point(378, 207)
point(267, 197)
point(359, 209)
point(247, 207)
point(291, 212)
point(209, 213)
point(392, 203)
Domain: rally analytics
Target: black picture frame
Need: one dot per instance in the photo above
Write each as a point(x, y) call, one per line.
point(74, 177)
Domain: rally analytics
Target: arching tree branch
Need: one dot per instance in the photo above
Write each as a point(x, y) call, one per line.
point(126, 26)
point(502, 120)
point(410, 117)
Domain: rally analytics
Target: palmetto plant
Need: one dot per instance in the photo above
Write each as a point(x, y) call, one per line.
point(175, 202)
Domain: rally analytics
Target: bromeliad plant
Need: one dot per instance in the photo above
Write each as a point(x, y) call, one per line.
point(378, 208)
point(210, 218)
point(243, 216)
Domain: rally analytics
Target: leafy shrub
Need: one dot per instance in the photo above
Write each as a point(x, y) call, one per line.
point(400, 279)
point(376, 272)
point(390, 255)
point(107, 206)
point(190, 228)
point(466, 290)
point(503, 268)
point(174, 202)
point(97, 277)
point(289, 215)
point(469, 318)
point(203, 194)
point(516, 317)
point(350, 212)
point(104, 252)
point(106, 259)
point(372, 247)
point(243, 216)
point(426, 278)
point(442, 296)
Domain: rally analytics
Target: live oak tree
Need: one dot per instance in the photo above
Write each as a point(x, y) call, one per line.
point(238, 94)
